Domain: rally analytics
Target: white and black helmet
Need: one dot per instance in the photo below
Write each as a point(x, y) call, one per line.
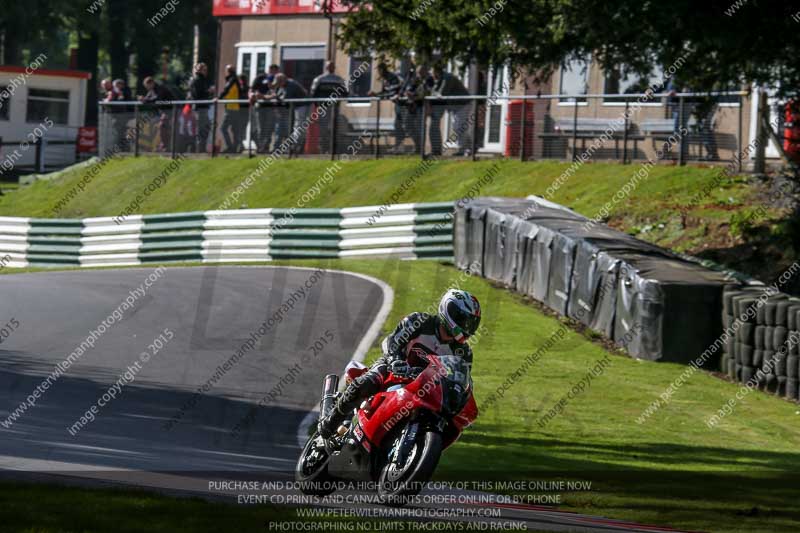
point(460, 314)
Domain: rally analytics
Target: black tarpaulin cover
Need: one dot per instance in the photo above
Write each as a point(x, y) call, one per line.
point(658, 305)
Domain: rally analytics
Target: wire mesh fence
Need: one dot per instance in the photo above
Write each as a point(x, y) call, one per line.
point(672, 127)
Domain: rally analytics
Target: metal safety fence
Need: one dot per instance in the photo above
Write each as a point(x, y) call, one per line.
point(678, 127)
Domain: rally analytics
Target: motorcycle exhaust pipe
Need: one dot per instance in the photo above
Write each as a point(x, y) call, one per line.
point(329, 394)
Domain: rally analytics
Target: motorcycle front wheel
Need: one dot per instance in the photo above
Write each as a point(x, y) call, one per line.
point(311, 471)
point(398, 484)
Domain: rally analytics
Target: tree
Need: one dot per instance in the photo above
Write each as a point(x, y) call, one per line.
point(716, 43)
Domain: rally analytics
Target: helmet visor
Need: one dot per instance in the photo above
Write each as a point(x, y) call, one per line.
point(467, 322)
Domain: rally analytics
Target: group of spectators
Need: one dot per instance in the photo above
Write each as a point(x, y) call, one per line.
point(408, 92)
point(192, 126)
point(272, 120)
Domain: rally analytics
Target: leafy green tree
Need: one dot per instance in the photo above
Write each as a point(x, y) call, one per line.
point(717, 43)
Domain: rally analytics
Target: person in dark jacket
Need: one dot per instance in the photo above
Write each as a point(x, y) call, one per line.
point(327, 85)
point(390, 88)
point(266, 112)
point(416, 86)
point(287, 88)
point(231, 123)
point(244, 109)
point(446, 84)
point(160, 97)
point(201, 89)
point(121, 93)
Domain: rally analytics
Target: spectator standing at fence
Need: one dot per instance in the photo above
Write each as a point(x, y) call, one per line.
point(266, 114)
point(122, 93)
point(446, 84)
point(231, 123)
point(187, 130)
point(390, 88)
point(160, 97)
point(122, 90)
point(704, 110)
point(244, 113)
point(201, 89)
point(416, 86)
point(106, 89)
point(327, 85)
point(116, 120)
point(287, 88)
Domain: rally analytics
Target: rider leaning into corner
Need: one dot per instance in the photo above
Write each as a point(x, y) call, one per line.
point(416, 335)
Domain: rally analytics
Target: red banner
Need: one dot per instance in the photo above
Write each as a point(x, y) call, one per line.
point(87, 139)
point(229, 8)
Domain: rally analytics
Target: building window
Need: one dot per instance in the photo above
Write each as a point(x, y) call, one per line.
point(575, 79)
point(47, 103)
point(5, 103)
point(618, 81)
point(303, 63)
point(360, 83)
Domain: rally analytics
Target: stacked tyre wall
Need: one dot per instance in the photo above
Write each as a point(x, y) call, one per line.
point(406, 231)
point(657, 305)
point(763, 350)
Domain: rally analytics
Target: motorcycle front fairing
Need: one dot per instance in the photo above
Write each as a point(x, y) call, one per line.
point(389, 409)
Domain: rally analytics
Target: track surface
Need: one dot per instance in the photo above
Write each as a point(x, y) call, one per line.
point(211, 311)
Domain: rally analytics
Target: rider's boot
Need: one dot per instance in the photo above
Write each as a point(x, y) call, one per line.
point(327, 425)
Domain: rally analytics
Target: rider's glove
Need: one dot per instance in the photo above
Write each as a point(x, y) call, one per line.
point(400, 368)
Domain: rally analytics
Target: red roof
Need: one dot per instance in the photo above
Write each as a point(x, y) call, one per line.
point(46, 72)
point(227, 8)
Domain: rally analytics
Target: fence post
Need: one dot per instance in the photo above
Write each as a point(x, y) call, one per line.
point(213, 132)
point(424, 134)
point(291, 130)
point(522, 129)
point(739, 136)
point(136, 130)
point(174, 129)
point(575, 130)
point(681, 142)
point(378, 130)
point(39, 155)
point(334, 117)
point(474, 127)
point(625, 134)
point(250, 123)
point(760, 164)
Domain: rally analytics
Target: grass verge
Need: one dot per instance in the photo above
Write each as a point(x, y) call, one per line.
point(672, 469)
point(738, 221)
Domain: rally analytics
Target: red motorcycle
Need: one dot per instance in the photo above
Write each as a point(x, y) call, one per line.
point(397, 436)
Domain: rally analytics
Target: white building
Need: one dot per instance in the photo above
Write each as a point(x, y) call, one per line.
point(37, 102)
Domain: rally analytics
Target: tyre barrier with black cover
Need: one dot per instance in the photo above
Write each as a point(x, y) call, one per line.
point(659, 305)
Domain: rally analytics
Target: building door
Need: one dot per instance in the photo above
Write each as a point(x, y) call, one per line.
point(252, 59)
point(494, 131)
point(303, 62)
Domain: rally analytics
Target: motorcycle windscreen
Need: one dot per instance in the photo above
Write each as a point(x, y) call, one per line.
point(457, 384)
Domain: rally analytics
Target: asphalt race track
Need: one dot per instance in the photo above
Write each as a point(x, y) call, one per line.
point(242, 335)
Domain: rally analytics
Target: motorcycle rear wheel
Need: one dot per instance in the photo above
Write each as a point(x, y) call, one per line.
point(314, 479)
point(397, 485)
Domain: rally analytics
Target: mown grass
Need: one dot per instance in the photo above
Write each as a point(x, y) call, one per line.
point(671, 469)
point(205, 184)
point(42, 508)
